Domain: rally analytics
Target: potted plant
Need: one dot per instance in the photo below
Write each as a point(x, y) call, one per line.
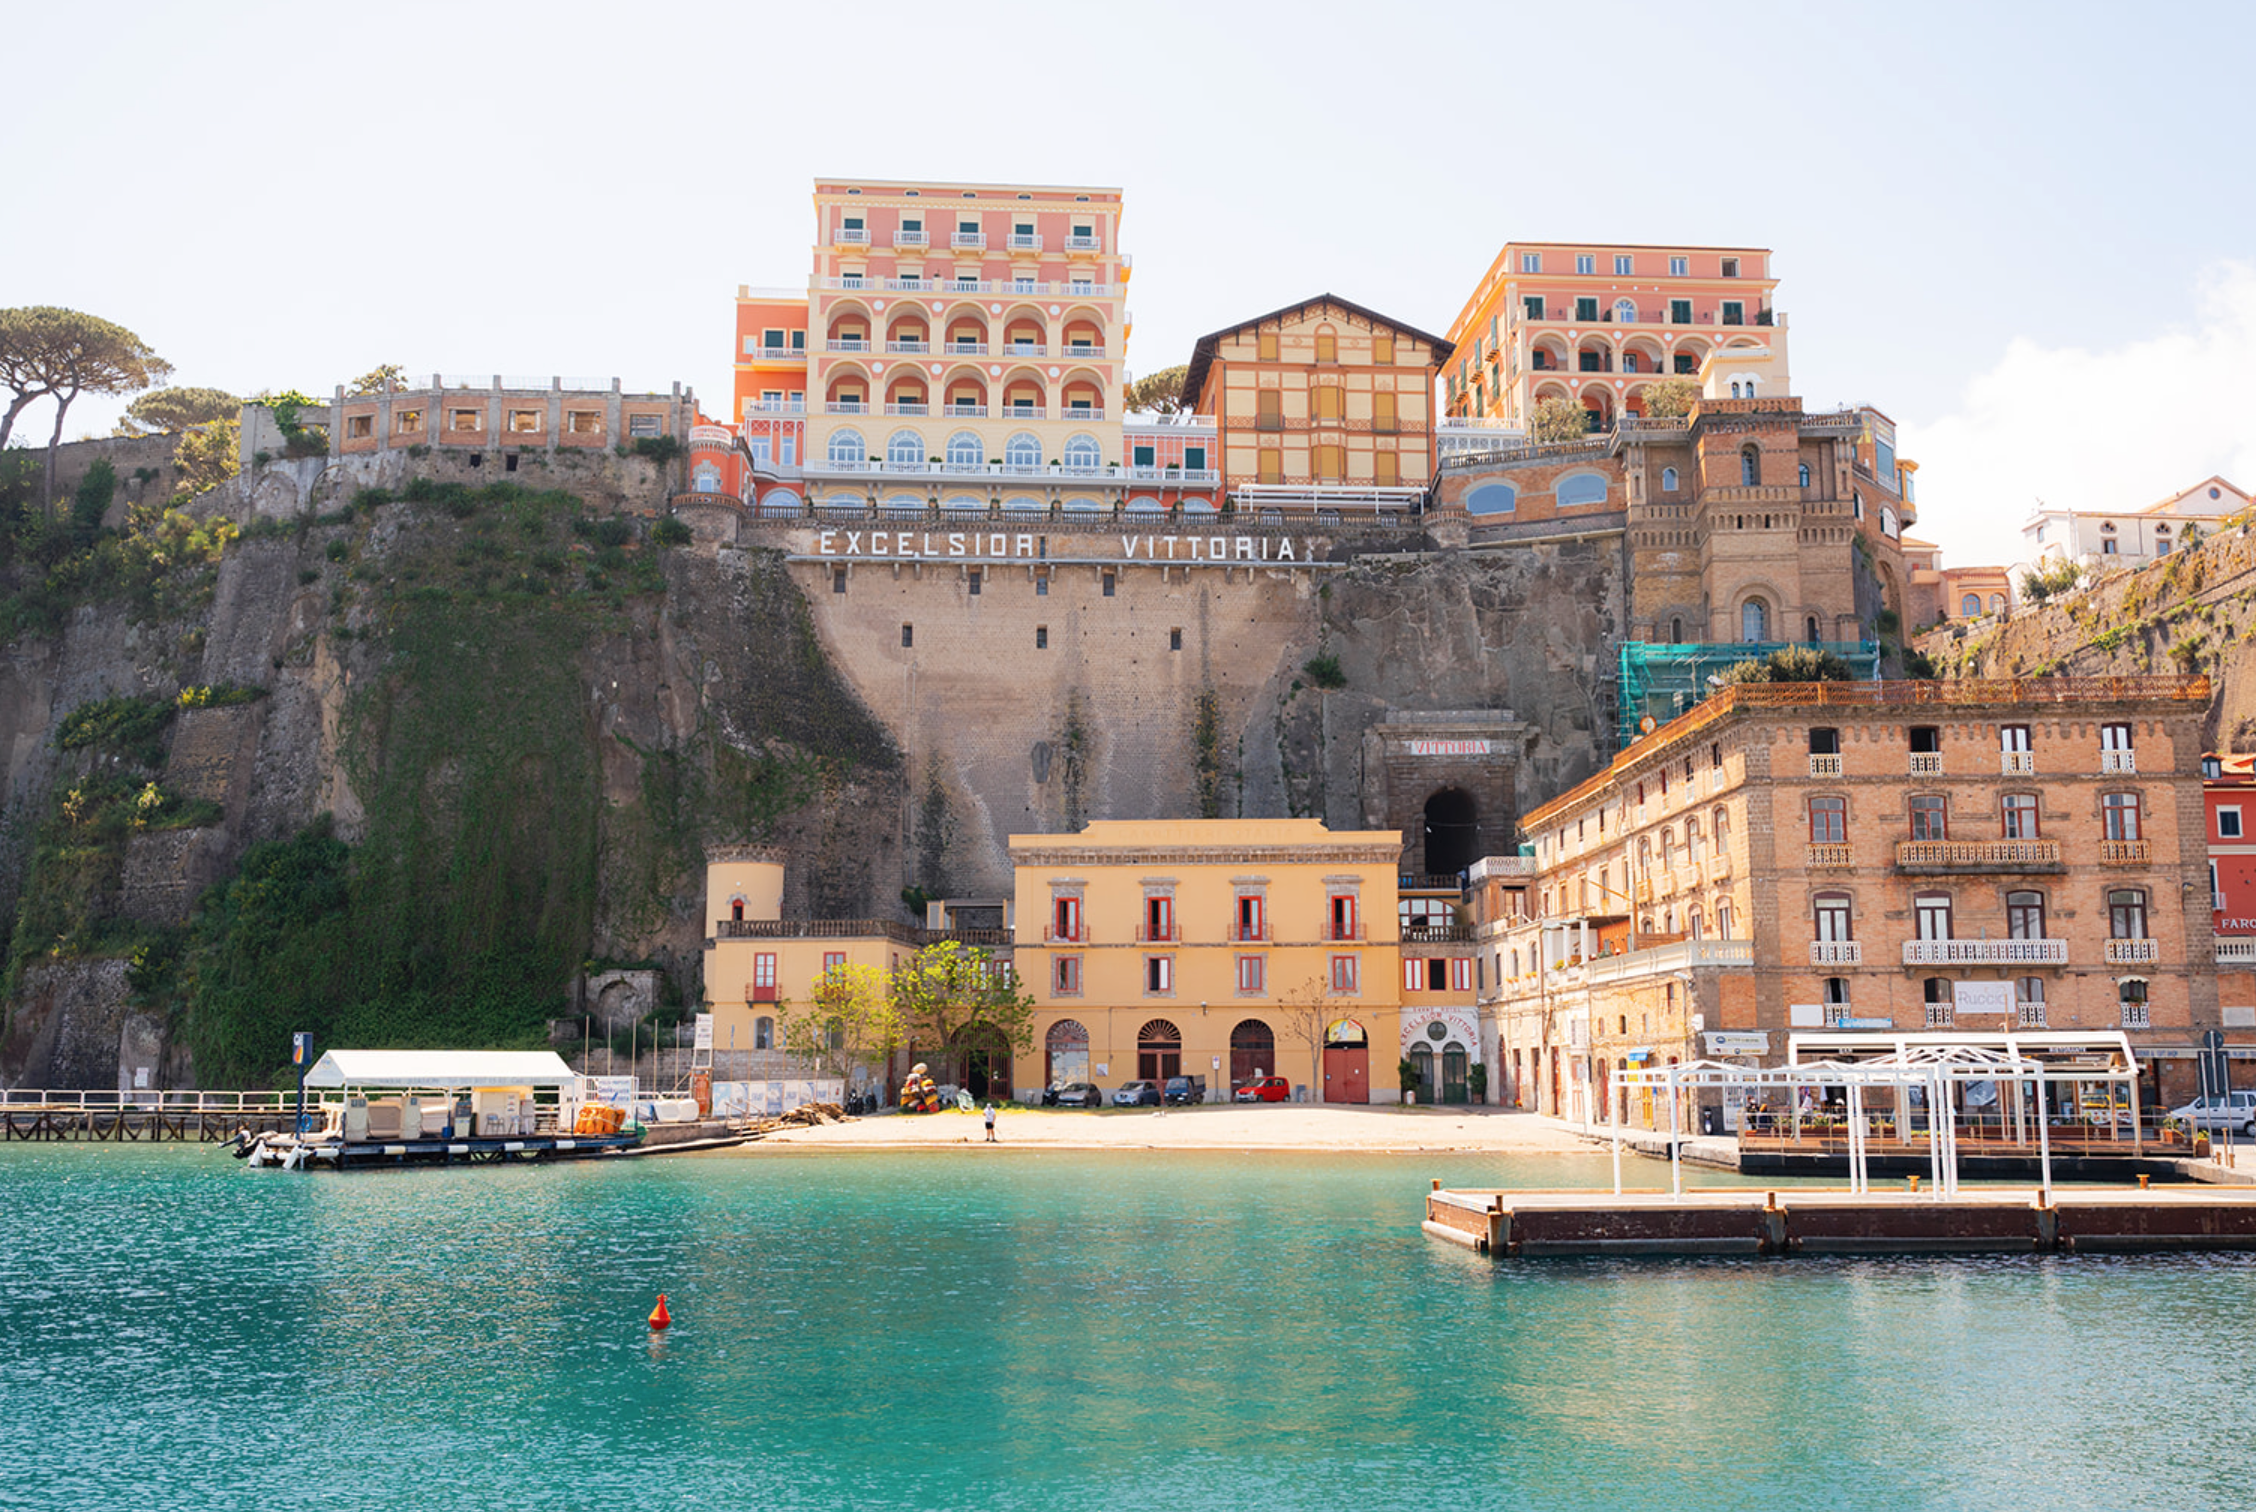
point(1406, 1072)
point(1476, 1081)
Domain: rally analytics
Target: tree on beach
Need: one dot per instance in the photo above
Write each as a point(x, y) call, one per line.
point(850, 1015)
point(955, 1000)
point(1303, 1013)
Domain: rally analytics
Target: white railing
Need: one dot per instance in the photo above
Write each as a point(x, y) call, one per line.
point(846, 407)
point(2235, 950)
point(1681, 956)
point(1022, 412)
point(1023, 349)
point(1082, 353)
point(1828, 855)
point(2028, 1015)
point(964, 349)
point(1836, 952)
point(1070, 288)
point(908, 409)
point(775, 406)
point(1172, 474)
point(909, 348)
point(1083, 412)
point(1938, 1015)
point(2017, 763)
point(2006, 853)
point(967, 239)
point(2124, 853)
point(1026, 241)
point(1926, 763)
point(2133, 952)
point(150, 1101)
point(846, 346)
point(911, 239)
point(2137, 1016)
point(2118, 761)
point(1084, 244)
point(857, 236)
point(1825, 766)
point(964, 411)
point(1985, 953)
point(774, 353)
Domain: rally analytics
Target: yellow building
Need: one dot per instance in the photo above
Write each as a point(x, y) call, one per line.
point(1220, 948)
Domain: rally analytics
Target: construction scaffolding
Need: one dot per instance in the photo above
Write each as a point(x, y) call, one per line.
point(1660, 681)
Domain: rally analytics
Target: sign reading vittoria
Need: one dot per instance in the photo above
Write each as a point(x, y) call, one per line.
point(1448, 747)
point(1008, 545)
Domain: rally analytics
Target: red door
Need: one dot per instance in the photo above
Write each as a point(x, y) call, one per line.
point(1347, 1074)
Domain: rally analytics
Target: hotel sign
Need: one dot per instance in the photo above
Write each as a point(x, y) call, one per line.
point(1449, 747)
point(1982, 997)
point(1029, 546)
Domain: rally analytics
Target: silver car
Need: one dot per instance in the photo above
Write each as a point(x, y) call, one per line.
point(2234, 1110)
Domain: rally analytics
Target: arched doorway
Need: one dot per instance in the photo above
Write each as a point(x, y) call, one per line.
point(1159, 1051)
point(1422, 1057)
point(1452, 832)
point(1347, 1063)
point(1253, 1051)
point(1454, 1064)
point(1065, 1053)
point(980, 1055)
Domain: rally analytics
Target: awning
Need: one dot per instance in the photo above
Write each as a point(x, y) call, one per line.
point(440, 1069)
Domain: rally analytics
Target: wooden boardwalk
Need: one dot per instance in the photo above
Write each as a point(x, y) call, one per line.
point(1813, 1221)
point(142, 1118)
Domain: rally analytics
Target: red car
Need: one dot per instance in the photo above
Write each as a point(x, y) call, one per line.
point(1264, 1089)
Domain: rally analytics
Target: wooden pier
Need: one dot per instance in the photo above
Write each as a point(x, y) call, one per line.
point(143, 1117)
point(1813, 1221)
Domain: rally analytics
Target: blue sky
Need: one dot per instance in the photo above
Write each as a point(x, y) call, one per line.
point(2022, 230)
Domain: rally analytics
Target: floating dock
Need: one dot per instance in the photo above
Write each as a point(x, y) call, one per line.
point(1814, 1221)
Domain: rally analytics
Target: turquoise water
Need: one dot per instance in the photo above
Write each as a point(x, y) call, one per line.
point(1018, 1329)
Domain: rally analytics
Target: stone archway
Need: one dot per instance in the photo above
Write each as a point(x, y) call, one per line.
point(1253, 1051)
point(980, 1055)
point(1159, 1051)
point(1452, 832)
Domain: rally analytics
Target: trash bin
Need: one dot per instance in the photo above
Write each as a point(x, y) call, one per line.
point(1711, 1121)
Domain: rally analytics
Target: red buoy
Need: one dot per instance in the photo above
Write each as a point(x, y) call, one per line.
point(659, 1317)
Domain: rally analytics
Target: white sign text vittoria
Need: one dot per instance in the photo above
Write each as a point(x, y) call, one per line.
point(1007, 545)
point(1448, 747)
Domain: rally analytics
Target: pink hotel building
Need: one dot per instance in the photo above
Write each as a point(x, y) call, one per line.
point(958, 345)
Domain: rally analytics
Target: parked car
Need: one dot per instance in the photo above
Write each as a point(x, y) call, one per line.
point(2234, 1110)
point(1075, 1095)
point(1264, 1089)
point(1136, 1094)
point(1185, 1089)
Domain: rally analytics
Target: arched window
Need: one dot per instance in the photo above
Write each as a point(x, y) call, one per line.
point(1722, 833)
point(1676, 630)
point(1022, 451)
point(1723, 918)
point(1668, 480)
point(1970, 604)
point(1750, 388)
point(1856, 504)
point(847, 449)
point(1491, 498)
point(1695, 842)
point(1695, 923)
point(1997, 603)
point(707, 478)
point(1805, 475)
point(763, 1034)
point(964, 451)
point(1668, 849)
point(1082, 454)
point(904, 451)
point(1580, 488)
point(1754, 622)
point(1067, 1049)
point(1750, 466)
point(1810, 625)
point(1625, 311)
point(1253, 1050)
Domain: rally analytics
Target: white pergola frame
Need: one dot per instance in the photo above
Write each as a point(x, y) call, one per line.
point(1932, 1063)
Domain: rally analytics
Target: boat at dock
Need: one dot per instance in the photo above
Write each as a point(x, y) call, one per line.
point(439, 1107)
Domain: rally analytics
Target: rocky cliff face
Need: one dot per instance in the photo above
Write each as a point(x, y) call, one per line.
point(2192, 612)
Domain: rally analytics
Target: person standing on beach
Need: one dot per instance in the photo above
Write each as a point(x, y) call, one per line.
point(990, 1123)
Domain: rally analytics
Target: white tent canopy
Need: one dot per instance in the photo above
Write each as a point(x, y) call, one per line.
point(448, 1070)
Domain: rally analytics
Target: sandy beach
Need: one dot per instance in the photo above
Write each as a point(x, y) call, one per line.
point(1268, 1126)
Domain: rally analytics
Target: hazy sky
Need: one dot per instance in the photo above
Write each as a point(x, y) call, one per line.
point(2023, 231)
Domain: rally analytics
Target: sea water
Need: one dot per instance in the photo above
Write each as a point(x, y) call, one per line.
point(1004, 1329)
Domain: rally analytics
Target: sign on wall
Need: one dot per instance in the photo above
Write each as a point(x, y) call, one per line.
point(1449, 747)
point(1025, 546)
point(1982, 997)
point(1738, 1041)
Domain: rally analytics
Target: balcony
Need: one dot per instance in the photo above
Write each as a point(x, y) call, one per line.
point(1084, 244)
point(908, 409)
point(2029, 1015)
point(775, 406)
point(964, 349)
point(1826, 765)
point(2137, 1016)
point(1828, 857)
point(1938, 1015)
point(2017, 763)
point(775, 354)
point(846, 407)
point(911, 239)
point(1087, 414)
point(1926, 763)
point(852, 236)
point(2235, 950)
point(2118, 761)
point(2133, 952)
point(1985, 953)
point(976, 240)
point(2124, 853)
point(909, 348)
point(1944, 856)
point(1719, 868)
point(1023, 349)
point(848, 345)
point(1836, 952)
point(1436, 934)
point(1026, 241)
point(964, 411)
point(1022, 412)
point(1081, 351)
point(1065, 937)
